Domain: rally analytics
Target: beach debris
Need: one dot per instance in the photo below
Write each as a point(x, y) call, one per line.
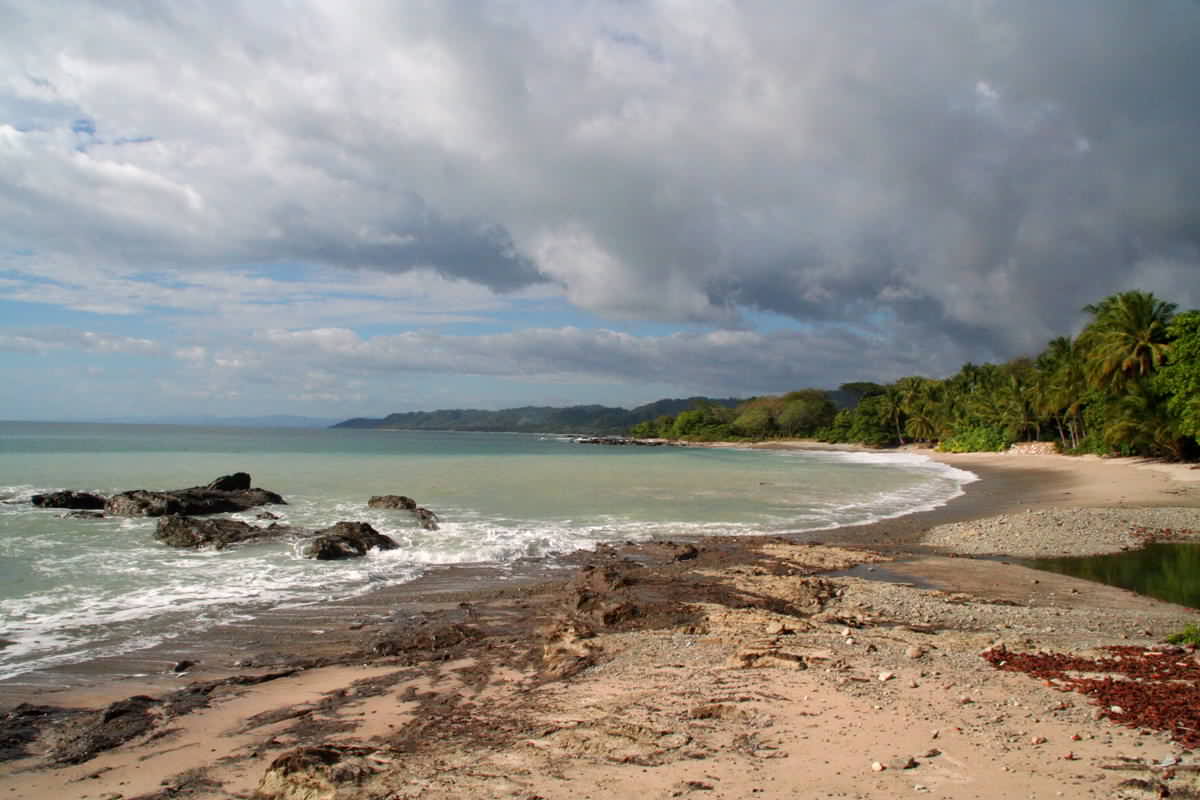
point(68, 499)
point(318, 771)
point(430, 639)
point(770, 657)
point(346, 540)
point(1136, 687)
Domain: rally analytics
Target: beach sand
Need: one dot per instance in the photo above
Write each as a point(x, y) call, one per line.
point(722, 668)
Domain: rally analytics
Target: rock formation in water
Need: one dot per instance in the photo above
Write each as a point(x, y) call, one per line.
point(425, 518)
point(180, 531)
point(211, 499)
point(68, 499)
point(346, 540)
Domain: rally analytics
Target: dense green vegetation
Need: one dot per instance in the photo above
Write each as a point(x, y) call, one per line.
point(1129, 384)
point(800, 413)
point(592, 420)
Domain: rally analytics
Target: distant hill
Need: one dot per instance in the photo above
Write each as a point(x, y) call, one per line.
point(593, 419)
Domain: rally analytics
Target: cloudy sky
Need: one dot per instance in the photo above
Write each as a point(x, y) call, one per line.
point(336, 208)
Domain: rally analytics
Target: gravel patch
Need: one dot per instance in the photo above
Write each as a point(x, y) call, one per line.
point(1060, 532)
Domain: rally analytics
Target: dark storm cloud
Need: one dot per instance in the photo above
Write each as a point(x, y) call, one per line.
point(949, 178)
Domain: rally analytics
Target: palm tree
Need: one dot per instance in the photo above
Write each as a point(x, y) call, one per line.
point(1062, 388)
point(891, 411)
point(1126, 340)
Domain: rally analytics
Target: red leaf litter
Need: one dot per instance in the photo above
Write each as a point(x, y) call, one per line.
point(1145, 536)
point(1140, 688)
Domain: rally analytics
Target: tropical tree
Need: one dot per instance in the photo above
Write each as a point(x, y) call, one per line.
point(1179, 380)
point(1127, 339)
point(1062, 388)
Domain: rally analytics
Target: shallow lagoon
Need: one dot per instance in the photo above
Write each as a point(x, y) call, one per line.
point(1163, 570)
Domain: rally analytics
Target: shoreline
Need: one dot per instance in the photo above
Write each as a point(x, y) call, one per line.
point(1006, 486)
point(549, 652)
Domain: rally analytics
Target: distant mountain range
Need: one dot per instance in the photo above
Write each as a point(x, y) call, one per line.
point(592, 419)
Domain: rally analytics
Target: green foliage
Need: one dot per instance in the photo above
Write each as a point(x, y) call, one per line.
point(756, 422)
point(804, 413)
point(1179, 379)
point(977, 439)
point(1189, 635)
point(869, 423)
point(1127, 339)
point(706, 423)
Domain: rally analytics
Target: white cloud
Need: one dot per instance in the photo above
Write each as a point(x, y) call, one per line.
point(971, 174)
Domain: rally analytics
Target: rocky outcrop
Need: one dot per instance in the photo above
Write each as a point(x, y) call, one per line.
point(68, 499)
point(83, 515)
point(424, 517)
point(396, 501)
point(180, 531)
point(197, 500)
point(346, 540)
point(237, 482)
point(323, 772)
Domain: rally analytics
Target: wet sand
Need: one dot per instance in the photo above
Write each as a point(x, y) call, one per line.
point(721, 669)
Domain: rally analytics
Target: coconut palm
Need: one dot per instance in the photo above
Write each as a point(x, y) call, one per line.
point(1126, 340)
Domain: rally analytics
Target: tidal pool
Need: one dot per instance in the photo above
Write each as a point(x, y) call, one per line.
point(1164, 570)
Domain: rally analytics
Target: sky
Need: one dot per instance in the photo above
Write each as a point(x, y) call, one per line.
point(337, 209)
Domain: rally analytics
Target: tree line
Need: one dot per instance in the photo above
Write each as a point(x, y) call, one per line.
point(1128, 384)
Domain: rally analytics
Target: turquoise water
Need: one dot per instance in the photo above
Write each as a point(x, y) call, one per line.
point(74, 589)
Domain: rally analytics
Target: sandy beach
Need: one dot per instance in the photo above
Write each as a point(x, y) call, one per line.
point(721, 668)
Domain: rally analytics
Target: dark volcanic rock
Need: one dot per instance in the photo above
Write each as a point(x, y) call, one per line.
point(24, 724)
point(179, 531)
point(197, 500)
point(237, 482)
point(392, 501)
point(426, 519)
point(100, 731)
point(346, 540)
point(83, 515)
point(68, 499)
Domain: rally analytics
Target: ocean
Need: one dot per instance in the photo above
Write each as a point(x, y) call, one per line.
point(74, 589)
